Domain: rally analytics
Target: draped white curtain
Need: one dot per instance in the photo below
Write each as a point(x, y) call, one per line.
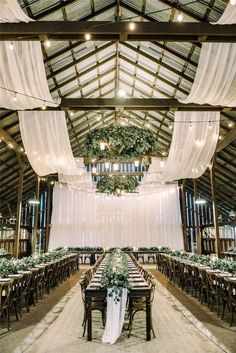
point(115, 317)
point(46, 142)
point(215, 80)
point(12, 12)
point(22, 70)
point(92, 219)
point(21, 67)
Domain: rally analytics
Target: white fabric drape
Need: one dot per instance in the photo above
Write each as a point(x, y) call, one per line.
point(215, 80)
point(12, 12)
point(192, 146)
point(115, 317)
point(46, 142)
point(92, 219)
point(22, 70)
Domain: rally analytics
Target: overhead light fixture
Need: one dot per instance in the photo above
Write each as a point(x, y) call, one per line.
point(102, 145)
point(47, 43)
point(87, 36)
point(200, 200)
point(179, 17)
point(33, 201)
point(131, 25)
point(121, 93)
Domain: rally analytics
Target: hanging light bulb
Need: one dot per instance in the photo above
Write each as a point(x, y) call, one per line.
point(102, 145)
point(190, 125)
point(131, 25)
point(87, 36)
point(136, 163)
point(107, 165)
point(44, 106)
point(71, 113)
point(98, 118)
point(170, 126)
point(11, 46)
point(15, 97)
point(179, 17)
point(210, 126)
point(121, 93)
point(47, 43)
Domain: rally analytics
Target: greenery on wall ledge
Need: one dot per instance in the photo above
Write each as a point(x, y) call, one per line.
point(117, 184)
point(121, 143)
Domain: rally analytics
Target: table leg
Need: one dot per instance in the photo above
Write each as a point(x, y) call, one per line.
point(89, 318)
point(148, 318)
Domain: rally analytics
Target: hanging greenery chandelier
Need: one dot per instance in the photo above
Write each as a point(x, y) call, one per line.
point(117, 185)
point(119, 143)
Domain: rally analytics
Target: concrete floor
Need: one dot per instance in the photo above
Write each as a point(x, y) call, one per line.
point(54, 326)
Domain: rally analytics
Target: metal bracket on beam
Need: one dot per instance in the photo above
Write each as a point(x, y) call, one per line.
point(202, 38)
point(123, 37)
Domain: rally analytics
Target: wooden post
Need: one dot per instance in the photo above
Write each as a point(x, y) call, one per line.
point(19, 206)
point(198, 231)
point(183, 215)
point(214, 206)
point(48, 214)
point(34, 234)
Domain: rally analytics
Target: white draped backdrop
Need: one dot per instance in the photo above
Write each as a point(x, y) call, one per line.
point(88, 219)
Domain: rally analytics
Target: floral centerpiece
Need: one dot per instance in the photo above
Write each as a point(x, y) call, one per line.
point(115, 276)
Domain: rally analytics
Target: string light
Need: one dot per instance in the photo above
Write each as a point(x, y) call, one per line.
point(71, 113)
point(220, 137)
point(210, 126)
point(87, 36)
point(121, 93)
point(22, 149)
point(190, 125)
point(136, 163)
point(44, 106)
point(230, 124)
point(170, 126)
point(15, 97)
point(131, 25)
point(10, 145)
point(47, 43)
point(98, 118)
point(179, 17)
point(11, 46)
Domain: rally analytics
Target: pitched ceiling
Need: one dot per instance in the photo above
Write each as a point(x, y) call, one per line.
point(92, 69)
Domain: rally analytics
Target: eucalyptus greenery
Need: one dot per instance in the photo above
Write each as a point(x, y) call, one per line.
point(123, 142)
point(86, 248)
point(110, 184)
point(7, 267)
point(115, 276)
point(3, 251)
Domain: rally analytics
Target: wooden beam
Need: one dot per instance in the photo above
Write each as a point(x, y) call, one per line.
point(130, 104)
point(105, 30)
point(226, 140)
point(214, 206)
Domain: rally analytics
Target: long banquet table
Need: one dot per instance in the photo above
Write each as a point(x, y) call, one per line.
point(140, 289)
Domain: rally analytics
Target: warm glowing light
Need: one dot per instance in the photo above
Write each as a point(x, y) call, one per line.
point(102, 145)
point(47, 43)
point(136, 163)
point(44, 106)
point(131, 25)
point(15, 97)
point(179, 17)
point(233, 2)
point(94, 170)
point(107, 165)
point(121, 93)
point(87, 36)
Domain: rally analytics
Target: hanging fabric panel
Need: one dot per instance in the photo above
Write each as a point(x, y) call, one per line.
point(215, 80)
point(12, 12)
point(46, 142)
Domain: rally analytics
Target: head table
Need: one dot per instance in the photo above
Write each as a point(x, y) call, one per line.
point(140, 289)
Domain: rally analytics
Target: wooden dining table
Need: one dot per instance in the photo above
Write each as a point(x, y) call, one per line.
point(140, 289)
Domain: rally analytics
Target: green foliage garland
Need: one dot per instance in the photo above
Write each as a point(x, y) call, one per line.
point(124, 142)
point(111, 184)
